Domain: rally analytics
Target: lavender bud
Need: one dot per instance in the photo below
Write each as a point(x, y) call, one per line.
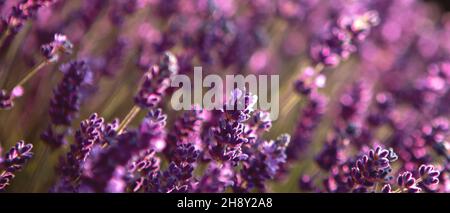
point(53, 50)
point(13, 161)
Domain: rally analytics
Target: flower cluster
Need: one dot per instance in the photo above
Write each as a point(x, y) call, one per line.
point(363, 94)
point(67, 98)
point(229, 136)
point(265, 163)
point(93, 132)
point(156, 81)
point(341, 39)
point(23, 11)
point(13, 161)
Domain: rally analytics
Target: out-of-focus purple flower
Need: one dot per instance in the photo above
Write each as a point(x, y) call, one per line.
point(65, 104)
point(23, 11)
point(384, 105)
point(310, 118)
point(436, 131)
point(120, 9)
point(341, 39)
point(265, 162)
point(13, 161)
point(53, 138)
point(307, 82)
point(217, 178)
point(332, 153)
point(113, 58)
point(354, 102)
point(156, 81)
point(151, 130)
point(53, 50)
point(306, 183)
point(67, 96)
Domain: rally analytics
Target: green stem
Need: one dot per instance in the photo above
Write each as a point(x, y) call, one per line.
point(31, 73)
point(128, 118)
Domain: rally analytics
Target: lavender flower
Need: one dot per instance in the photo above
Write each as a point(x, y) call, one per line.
point(186, 129)
point(265, 162)
point(67, 99)
point(93, 132)
point(217, 178)
point(68, 94)
point(151, 129)
point(108, 171)
point(310, 117)
point(13, 161)
point(341, 39)
point(26, 9)
point(143, 169)
point(373, 168)
point(176, 178)
point(53, 50)
point(229, 135)
point(156, 81)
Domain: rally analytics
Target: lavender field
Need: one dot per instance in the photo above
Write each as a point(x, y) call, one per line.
point(86, 96)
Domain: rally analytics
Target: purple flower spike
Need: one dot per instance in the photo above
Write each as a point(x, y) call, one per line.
point(373, 168)
point(178, 177)
point(342, 38)
point(156, 81)
point(23, 11)
point(143, 169)
point(66, 101)
point(172, 180)
point(217, 178)
point(67, 96)
point(310, 118)
point(151, 129)
point(13, 161)
point(106, 172)
point(264, 164)
point(93, 132)
point(186, 129)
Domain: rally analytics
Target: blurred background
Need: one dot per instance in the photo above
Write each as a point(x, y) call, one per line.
point(121, 39)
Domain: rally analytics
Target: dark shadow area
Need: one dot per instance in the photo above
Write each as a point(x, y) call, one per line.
point(444, 4)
